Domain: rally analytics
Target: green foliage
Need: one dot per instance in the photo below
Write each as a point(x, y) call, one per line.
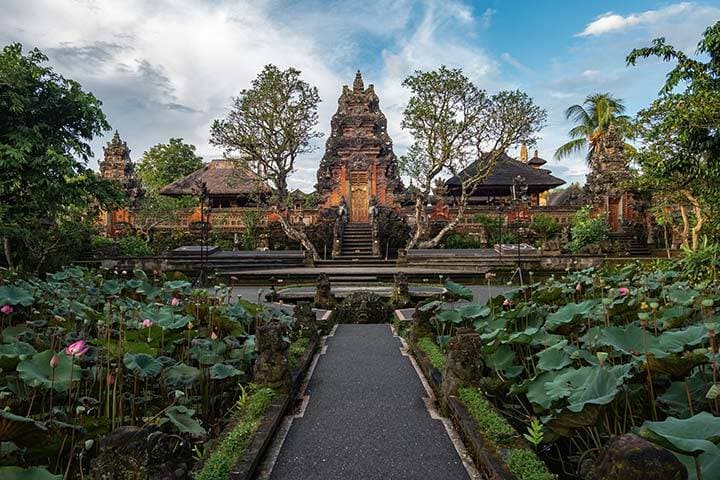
point(535, 433)
point(525, 465)
point(182, 419)
point(166, 162)
point(37, 372)
point(251, 220)
point(544, 226)
point(587, 229)
point(224, 457)
point(593, 118)
point(32, 473)
point(432, 350)
point(46, 125)
point(489, 421)
point(702, 263)
point(297, 348)
point(134, 246)
point(456, 240)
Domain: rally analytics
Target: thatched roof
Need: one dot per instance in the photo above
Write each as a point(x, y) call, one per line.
point(222, 178)
point(501, 178)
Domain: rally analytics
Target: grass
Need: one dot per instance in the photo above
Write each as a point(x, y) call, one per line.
point(436, 356)
point(525, 465)
point(522, 462)
point(227, 453)
point(490, 422)
point(297, 348)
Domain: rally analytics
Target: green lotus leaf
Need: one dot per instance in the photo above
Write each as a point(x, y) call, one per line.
point(13, 333)
point(455, 291)
point(238, 312)
point(221, 371)
point(142, 364)
point(681, 295)
point(449, 316)
point(630, 340)
point(12, 295)
point(177, 285)
point(573, 312)
point(181, 375)
point(673, 317)
point(555, 357)
point(473, 311)
point(182, 418)
point(694, 436)
point(37, 372)
point(22, 431)
point(32, 473)
point(676, 340)
point(151, 292)
point(111, 287)
point(502, 359)
point(12, 353)
point(675, 399)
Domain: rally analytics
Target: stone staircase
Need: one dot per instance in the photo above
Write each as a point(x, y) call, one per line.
point(630, 243)
point(357, 240)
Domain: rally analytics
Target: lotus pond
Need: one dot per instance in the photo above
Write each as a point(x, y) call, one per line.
point(578, 360)
point(85, 352)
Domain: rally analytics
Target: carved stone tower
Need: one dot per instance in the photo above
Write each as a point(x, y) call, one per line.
point(117, 165)
point(359, 165)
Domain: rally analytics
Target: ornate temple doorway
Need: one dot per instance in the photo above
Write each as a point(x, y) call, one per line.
point(359, 199)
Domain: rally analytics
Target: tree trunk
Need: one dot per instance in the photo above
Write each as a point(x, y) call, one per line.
point(699, 219)
point(298, 236)
point(686, 226)
point(419, 223)
point(432, 243)
point(8, 254)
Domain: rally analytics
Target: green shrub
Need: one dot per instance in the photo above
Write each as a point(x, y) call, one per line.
point(489, 421)
point(456, 240)
point(297, 348)
point(525, 465)
point(225, 456)
point(134, 246)
point(436, 356)
point(544, 226)
point(587, 229)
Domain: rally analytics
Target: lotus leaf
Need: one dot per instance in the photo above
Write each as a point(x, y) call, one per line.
point(15, 333)
point(181, 375)
point(449, 316)
point(572, 312)
point(177, 285)
point(680, 294)
point(673, 317)
point(12, 295)
point(11, 354)
point(676, 366)
point(36, 371)
point(182, 418)
point(221, 371)
point(630, 340)
point(142, 364)
point(473, 310)
point(32, 473)
point(676, 340)
point(501, 360)
point(22, 431)
point(695, 436)
point(455, 291)
point(111, 287)
point(675, 399)
point(555, 357)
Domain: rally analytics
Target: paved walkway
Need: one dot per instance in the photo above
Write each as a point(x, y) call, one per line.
point(366, 417)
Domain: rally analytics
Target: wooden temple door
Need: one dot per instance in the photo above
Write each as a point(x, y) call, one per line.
point(614, 214)
point(359, 200)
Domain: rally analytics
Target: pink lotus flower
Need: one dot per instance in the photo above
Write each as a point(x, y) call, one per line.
point(6, 309)
point(507, 304)
point(623, 291)
point(578, 287)
point(77, 349)
point(175, 302)
point(54, 361)
point(147, 323)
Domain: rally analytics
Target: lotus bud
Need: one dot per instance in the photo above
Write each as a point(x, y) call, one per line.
point(54, 361)
point(147, 323)
point(707, 302)
point(654, 305)
point(190, 326)
point(6, 309)
point(578, 287)
point(643, 315)
point(213, 336)
point(77, 349)
point(623, 291)
point(175, 302)
point(124, 272)
point(601, 356)
point(110, 379)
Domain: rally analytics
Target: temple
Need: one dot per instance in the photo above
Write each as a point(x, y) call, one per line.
point(359, 167)
point(117, 165)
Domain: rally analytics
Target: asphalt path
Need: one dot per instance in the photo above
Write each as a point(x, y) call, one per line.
point(366, 417)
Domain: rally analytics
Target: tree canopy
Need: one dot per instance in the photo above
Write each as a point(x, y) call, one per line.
point(268, 127)
point(166, 162)
point(46, 124)
point(455, 124)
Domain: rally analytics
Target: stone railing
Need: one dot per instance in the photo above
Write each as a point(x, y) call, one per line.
point(231, 219)
point(338, 230)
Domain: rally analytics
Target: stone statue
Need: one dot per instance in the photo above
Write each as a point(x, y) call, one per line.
point(362, 307)
point(306, 321)
point(271, 366)
point(323, 293)
point(464, 366)
point(401, 292)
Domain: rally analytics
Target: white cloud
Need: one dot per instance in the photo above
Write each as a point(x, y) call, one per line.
point(514, 62)
point(612, 23)
point(486, 18)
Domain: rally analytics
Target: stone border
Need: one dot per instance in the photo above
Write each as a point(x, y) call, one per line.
point(261, 438)
point(432, 374)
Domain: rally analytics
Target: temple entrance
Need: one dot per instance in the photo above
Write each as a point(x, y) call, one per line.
point(359, 200)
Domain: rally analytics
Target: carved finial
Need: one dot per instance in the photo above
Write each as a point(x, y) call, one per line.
point(524, 153)
point(358, 85)
point(536, 154)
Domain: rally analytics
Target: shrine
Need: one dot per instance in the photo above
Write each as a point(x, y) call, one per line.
point(359, 168)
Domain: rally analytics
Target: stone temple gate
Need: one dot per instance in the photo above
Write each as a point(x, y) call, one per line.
point(359, 166)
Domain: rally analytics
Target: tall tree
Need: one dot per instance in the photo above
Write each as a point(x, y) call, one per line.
point(46, 124)
point(269, 126)
point(592, 119)
point(166, 162)
point(681, 142)
point(452, 123)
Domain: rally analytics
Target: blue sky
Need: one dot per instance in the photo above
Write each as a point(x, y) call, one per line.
point(167, 68)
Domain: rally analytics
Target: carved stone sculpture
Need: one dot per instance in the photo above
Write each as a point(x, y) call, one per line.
point(271, 366)
point(464, 366)
point(362, 307)
point(306, 321)
point(323, 293)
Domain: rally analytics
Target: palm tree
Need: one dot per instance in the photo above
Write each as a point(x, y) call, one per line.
point(593, 118)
